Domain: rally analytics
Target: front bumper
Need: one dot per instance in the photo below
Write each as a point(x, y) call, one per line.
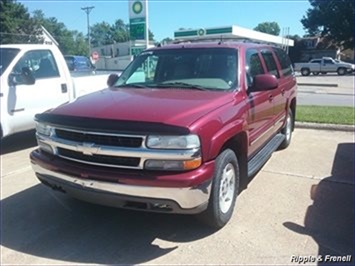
point(186, 200)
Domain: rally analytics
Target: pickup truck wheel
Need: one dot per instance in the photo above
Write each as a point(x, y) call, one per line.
point(287, 131)
point(341, 71)
point(315, 73)
point(305, 72)
point(225, 186)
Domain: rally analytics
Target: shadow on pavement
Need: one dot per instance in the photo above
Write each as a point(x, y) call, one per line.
point(19, 141)
point(47, 224)
point(330, 219)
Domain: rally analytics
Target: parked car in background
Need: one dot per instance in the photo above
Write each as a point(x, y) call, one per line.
point(79, 64)
point(324, 65)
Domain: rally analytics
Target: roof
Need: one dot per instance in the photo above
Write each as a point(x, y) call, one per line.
point(25, 46)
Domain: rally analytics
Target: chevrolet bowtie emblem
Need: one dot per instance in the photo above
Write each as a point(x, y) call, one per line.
point(87, 148)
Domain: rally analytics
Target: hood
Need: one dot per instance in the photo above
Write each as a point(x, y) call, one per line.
point(180, 107)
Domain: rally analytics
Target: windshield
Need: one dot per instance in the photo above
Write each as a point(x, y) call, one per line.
point(193, 68)
point(6, 56)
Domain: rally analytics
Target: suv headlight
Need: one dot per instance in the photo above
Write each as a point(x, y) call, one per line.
point(173, 142)
point(43, 129)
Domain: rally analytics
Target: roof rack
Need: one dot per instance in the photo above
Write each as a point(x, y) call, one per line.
point(230, 33)
point(223, 39)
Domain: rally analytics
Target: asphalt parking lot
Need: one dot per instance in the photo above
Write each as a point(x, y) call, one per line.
point(330, 89)
point(299, 206)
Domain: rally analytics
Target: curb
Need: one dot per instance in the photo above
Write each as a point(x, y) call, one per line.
point(318, 84)
point(332, 127)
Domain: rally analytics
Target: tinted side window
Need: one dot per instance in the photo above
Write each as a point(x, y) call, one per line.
point(316, 61)
point(328, 61)
point(41, 62)
point(285, 62)
point(253, 65)
point(270, 63)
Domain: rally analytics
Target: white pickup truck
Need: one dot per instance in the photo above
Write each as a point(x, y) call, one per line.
point(35, 78)
point(324, 65)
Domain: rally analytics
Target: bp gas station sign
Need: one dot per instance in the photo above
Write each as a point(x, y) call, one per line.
point(136, 50)
point(137, 19)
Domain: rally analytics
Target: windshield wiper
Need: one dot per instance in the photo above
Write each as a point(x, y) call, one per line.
point(180, 85)
point(133, 85)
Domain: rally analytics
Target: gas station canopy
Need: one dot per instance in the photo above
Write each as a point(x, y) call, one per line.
point(231, 32)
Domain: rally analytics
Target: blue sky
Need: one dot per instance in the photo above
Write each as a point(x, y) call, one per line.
point(166, 16)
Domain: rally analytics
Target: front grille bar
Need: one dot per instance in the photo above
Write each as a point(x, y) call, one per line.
point(86, 152)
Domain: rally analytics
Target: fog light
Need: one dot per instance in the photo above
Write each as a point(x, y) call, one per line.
point(45, 147)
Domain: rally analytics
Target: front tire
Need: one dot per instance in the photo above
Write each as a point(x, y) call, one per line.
point(315, 73)
point(287, 131)
point(225, 187)
point(341, 71)
point(305, 72)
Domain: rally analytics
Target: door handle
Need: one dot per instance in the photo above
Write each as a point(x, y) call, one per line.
point(282, 92)
point(64, 88)
point(271, 97)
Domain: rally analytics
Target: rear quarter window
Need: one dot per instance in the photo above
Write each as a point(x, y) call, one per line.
point(270, 63)
point(285, 62)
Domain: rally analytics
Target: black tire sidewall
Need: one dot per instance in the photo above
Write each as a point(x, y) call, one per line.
point(215, 216)
point(341, 71)
point(287, 142)
point(306, 70)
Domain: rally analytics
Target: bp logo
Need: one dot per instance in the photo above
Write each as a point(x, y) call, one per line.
point(201, 32)
point(137, 7)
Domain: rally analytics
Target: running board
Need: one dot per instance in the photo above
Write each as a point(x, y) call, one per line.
point(264, 154)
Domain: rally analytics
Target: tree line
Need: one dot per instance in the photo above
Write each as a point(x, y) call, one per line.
point(19, 26)
point(333, 19)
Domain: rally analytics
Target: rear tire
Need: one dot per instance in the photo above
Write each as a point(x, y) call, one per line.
point(341, 71)
point(287, 131)
point(315, 73)
point(224, 191)
point(305, 72)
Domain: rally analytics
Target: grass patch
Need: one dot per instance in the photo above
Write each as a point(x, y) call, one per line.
point(325, 114)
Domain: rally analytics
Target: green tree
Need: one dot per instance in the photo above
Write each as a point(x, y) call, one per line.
point(104, 33)
point(120, 31)
point(17, 26)
point(70, 42)
point(166, 40)
point(332, 18)
point(295, 51)
point(80, 44)
point(268, 27)
point(101, 34)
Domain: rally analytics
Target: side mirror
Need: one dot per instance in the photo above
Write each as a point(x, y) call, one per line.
point(264, 82)
point(112, 79)
point(26, 77)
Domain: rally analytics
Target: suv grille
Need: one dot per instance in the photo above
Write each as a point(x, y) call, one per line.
point(106, 160)
point(107, 140)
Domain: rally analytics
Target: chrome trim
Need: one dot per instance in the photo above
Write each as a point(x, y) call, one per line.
point(262, 135)
point(142, 153)
point(121, 151)
point(97, 133)
point(187, 198)
point(102, 164)
point(281, 120)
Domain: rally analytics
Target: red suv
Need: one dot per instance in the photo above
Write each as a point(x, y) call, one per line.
point(178, 132)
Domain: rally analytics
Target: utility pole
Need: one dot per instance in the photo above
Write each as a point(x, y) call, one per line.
point(87, 10)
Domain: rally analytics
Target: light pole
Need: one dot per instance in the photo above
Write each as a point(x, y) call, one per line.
point(87, 10)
